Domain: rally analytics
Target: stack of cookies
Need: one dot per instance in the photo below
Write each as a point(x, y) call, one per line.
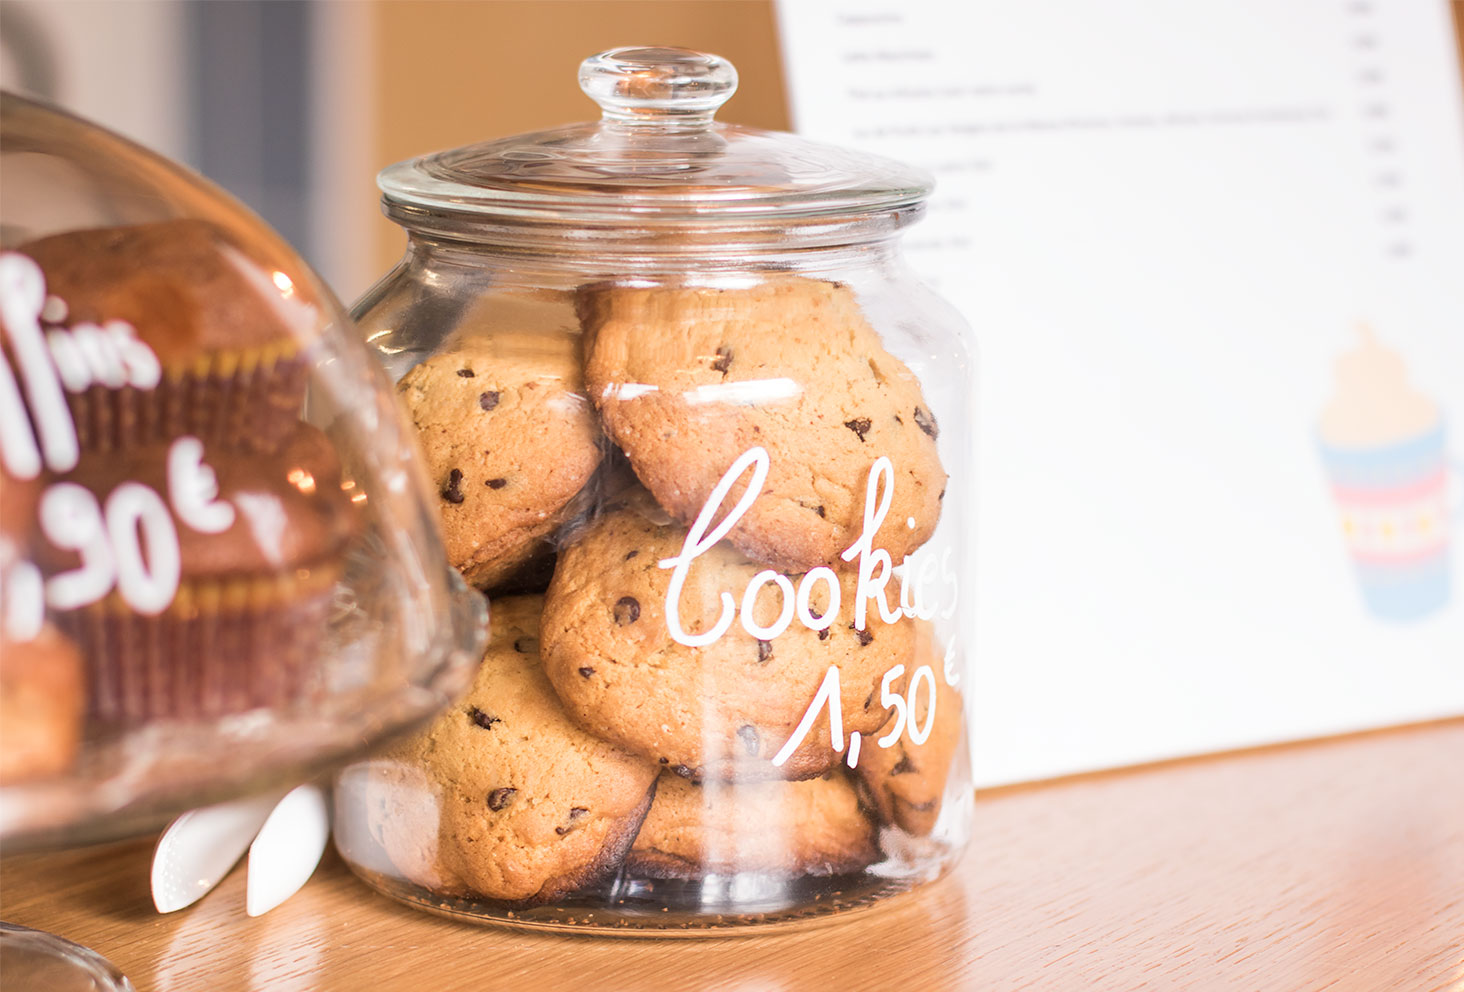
point(666, 494)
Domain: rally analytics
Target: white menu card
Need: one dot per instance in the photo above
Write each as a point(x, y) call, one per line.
point(1213, 256)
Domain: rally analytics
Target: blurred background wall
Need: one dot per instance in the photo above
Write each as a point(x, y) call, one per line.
point(294, 105)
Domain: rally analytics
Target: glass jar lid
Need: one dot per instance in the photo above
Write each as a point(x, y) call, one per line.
point(656, 157)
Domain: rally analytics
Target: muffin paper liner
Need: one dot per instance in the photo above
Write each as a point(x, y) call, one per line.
point(248, 400)
point(224, 646)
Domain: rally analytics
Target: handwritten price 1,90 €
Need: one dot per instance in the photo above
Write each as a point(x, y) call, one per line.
point(128, 541)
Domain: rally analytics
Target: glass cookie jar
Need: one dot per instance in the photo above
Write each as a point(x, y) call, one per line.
point(704, 441)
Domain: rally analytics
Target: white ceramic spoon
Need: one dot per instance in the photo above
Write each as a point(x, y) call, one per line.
point(288, 848)
point(198, 849)
point(285, 836)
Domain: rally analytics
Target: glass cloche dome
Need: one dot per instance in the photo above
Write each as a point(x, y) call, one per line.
point(219, 571)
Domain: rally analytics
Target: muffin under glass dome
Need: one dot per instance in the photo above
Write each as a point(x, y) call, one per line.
point(219, 571)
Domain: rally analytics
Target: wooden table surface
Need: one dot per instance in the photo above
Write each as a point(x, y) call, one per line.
point(1336, 865)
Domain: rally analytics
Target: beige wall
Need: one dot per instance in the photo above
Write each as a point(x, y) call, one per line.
point(1458, 8)
point(452, 73)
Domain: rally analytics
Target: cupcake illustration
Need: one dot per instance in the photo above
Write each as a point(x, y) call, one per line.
point(1382, 445)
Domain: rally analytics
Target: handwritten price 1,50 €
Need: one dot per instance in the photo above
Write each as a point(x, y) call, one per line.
point(905, 722)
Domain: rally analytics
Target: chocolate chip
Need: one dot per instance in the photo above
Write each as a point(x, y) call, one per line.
point(820, 510)
point(665, 761)
point(823, 635)
point(631, 554)
point(724, 360)
point(488, 400)
point(869, 699)
point(942, 495)
point(451, 492)
point(926, 423)
point(764, 651)
point(684, 771)
point(575, 815)
point(902, 766)
point(627, 610)
point(860, 426)
point(465, 373)
point(482, 719)
point(496, 483)
point(526, 645)
point(865, 636)
point(748, 735)
point(499, 798)
point(586, 672)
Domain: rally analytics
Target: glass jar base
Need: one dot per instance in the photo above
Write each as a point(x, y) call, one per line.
point(34, 959)
point(628, 906)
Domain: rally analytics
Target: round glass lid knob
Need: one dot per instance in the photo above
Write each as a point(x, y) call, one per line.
point(658, 85)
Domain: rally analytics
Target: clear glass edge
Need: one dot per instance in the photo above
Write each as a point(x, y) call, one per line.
point(55, 812)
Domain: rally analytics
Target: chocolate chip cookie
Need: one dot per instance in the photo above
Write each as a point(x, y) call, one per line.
point(723, 709)
point(509, 440)
point(906, 781)
point(687, 378)
point(503, 797)
point(813, 827)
